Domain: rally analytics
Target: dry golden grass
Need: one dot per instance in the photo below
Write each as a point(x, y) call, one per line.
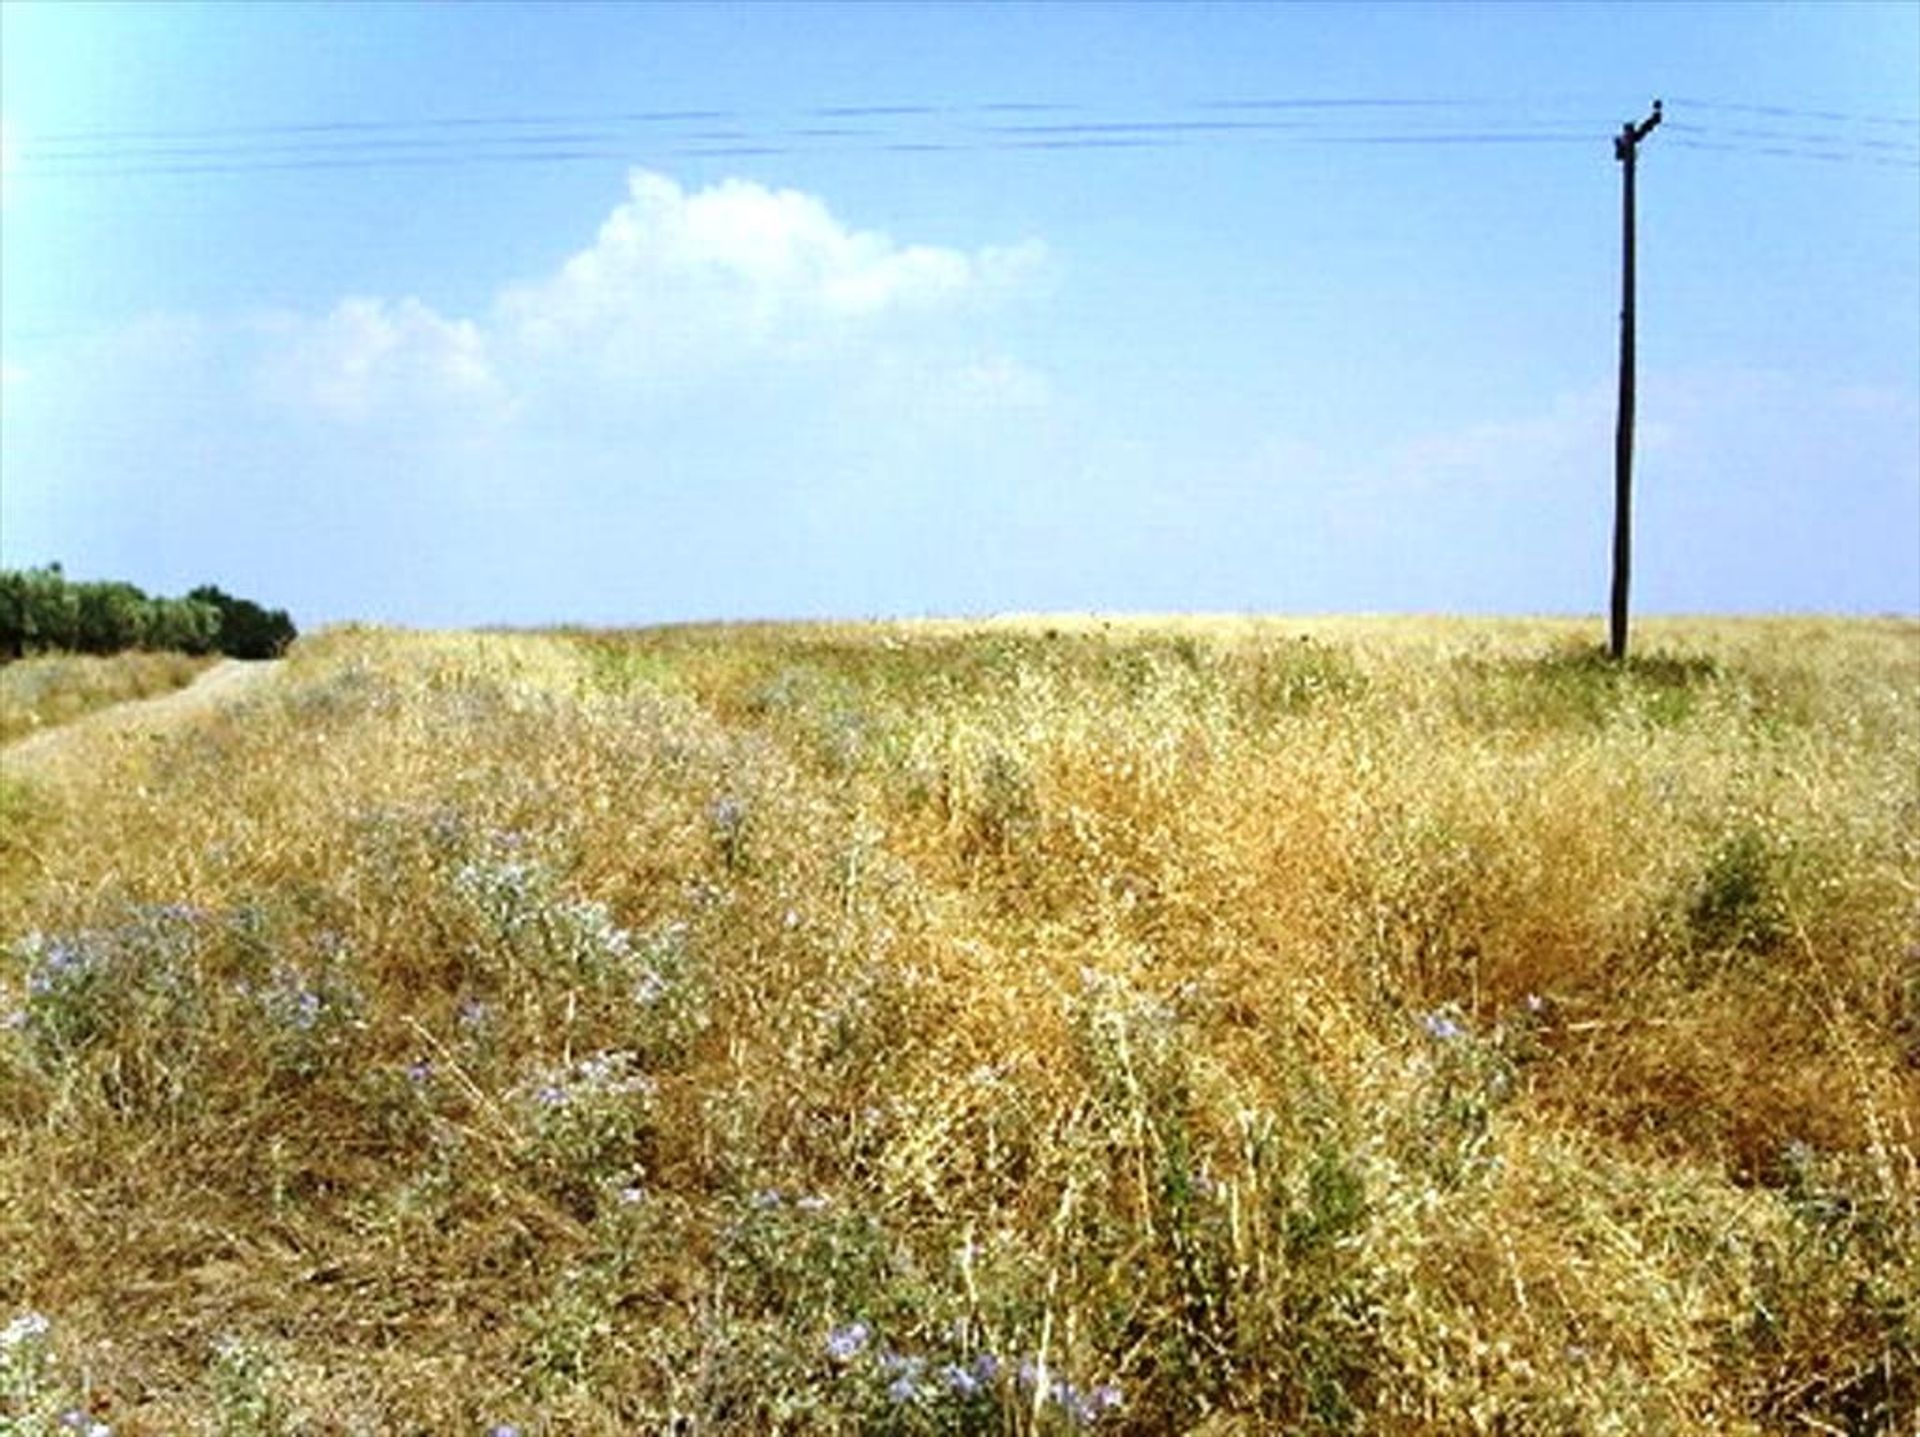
point(1248, 1026)
point(49, 689)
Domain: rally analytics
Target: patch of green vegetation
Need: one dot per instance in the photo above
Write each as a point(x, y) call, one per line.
point(615, 667)
point(1294, 677)
point(1583, 687)
point(1737, 905)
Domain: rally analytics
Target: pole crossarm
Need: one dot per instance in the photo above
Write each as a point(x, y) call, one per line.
point(1633, 134)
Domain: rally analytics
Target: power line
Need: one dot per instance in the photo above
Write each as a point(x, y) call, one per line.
point(1793, 152)
point(644, 117)
point(1304, 110)
point(108, 165)
point(639, 136)
point(1910, 122)
point(960, 125)
point(1830, 138)
point(651, 117)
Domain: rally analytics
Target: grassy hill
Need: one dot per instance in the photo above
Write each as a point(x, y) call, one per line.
point(51, 689)
point(1218, 1026)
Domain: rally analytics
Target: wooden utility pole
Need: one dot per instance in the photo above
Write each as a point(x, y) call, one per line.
point(1625, 148)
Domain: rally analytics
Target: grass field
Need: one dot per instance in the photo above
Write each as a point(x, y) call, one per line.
point(1232, 1027)
point(51, 689)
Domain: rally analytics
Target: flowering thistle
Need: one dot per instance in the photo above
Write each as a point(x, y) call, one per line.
point(847, 1342)
point(1441, 1028)
point(959, 1381)
point(902, 1390)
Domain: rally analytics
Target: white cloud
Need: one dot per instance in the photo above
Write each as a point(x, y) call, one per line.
point(11, 373)
point(735, 272)
point(678, 287)
point(1572, 434)
point(372, 357)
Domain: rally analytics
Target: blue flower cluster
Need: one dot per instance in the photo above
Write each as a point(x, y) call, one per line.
point(25, 1370)
point(1441, 1027)
point(292, 1002)
point(77, 982)
point(606, 1075)
point(516, 898)
point(911, 1380)
point(59, 966)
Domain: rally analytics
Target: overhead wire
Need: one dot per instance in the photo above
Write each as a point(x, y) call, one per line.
point(648, 117)
point(1910, 122)
point(1350, 122)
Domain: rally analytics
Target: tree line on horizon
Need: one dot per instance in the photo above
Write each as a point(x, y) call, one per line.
point(43, 611)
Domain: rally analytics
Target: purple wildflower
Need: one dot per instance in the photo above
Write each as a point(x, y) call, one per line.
point(847, 1342)
point(1441, 1027)
point(895, 1362)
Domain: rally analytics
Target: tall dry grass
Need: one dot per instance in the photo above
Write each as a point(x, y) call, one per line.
point(50, 689)
point(1231, 1027)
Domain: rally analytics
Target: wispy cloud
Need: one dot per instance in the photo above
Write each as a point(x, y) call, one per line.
point(372, 357)
point(678, 287)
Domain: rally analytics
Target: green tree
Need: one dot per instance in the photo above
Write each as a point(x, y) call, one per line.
point(113, 616)
point(188, 626)
point(247, 631)
point(14, 610)
point(50, 610)
point(42, 609)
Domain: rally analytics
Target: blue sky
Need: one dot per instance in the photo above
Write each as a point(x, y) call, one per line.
point(467, 314)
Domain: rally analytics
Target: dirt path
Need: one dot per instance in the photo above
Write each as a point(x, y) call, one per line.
point(225, 683)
